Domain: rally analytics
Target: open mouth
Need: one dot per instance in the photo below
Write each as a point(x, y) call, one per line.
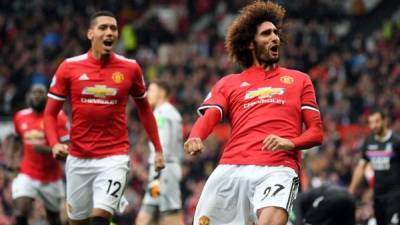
point(274, 49)
point(108, 43)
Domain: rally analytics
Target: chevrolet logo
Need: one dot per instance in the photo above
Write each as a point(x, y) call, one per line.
point(99, 91)
point(266, 92)
point(34, 134)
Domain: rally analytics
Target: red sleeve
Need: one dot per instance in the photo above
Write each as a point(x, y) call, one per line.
point(148, 121)
point(313, 135)
point(308, 99)
point(63, 127)
point(205, 124)
point(51, 111)
point(138, 89)
point(59, 87)
point(217, 98)
point(16, 124)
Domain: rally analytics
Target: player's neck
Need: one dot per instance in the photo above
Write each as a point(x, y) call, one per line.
point(265, 66)
point(160, 103)
point(99, 56)
point(37, 113)
point(383, 134)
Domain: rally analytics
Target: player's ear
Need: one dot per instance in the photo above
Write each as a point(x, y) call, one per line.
point(251, 45)
point(90, 34)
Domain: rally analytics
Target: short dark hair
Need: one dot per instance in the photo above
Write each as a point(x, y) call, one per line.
point(243, 29)
point(383, 113)
point(96, 14)
point(163, 85)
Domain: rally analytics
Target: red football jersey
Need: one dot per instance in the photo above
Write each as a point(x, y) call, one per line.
point(258, 103)
point(29, 126)
point(98, 94)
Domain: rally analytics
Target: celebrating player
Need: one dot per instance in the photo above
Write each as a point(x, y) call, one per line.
point(40, 174)
point(98, 85)
point(266, 106)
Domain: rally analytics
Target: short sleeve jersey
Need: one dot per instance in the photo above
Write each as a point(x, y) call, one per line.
point(29, 126)
point(98, 93)
point(384, 156)
point(258, 103)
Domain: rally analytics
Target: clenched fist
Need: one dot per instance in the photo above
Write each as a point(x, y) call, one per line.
point(159, 163)
point(273, 142)
point(193, 146)
point(60, 151)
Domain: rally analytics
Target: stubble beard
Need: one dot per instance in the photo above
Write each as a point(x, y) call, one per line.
point(262, 55)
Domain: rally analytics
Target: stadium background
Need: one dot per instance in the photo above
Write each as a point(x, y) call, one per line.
point(350, 49)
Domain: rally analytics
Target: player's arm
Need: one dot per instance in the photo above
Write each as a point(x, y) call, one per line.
point(312, 136)
point(42, 149)
point(14, 151)
point(14, 146)
point(213, 109)
point(59, 90)
point(148, 122)
point(146, 116)
point(62, 132)
point(53, 107)
point(358, 176)
point(202, 128)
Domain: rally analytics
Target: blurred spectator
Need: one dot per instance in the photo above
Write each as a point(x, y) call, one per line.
point(182, 42)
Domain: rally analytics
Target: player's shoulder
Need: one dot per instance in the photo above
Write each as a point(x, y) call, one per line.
point(229, 80)
point(395, 137)
point(23, 112)
point(125, 60)
point(369, 140)
point(170, 111)
point(75, 59)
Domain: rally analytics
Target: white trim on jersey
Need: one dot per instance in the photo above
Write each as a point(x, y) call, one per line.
point(65, 138)
point(77, 58)
point(50, 95)
point(310, 108)
point(140, 97)
point(124, 58)
point(25, 111)
point(209, 106)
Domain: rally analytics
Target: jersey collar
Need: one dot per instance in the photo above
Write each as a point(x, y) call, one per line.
point(386, 138)
point(259, 72)
point(97, 61)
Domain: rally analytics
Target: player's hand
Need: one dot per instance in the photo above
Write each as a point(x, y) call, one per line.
point(60, 151)
point(193, 146)
point(273, 142)
point(159, 163)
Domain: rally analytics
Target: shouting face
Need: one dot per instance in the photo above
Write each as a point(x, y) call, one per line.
point(265, 46)
point(103, 34)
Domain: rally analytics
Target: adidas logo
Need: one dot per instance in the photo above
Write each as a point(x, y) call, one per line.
point(244, 84)
point(84, 77)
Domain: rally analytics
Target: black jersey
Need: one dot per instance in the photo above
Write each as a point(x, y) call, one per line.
point(325, 205)
point(384, 156)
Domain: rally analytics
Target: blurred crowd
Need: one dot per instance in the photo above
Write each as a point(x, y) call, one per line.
point(183, 42)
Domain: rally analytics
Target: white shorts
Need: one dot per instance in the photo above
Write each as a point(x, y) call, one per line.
point(50, 193)
point(170, 191)
point(95, 183)
point(233, 193)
